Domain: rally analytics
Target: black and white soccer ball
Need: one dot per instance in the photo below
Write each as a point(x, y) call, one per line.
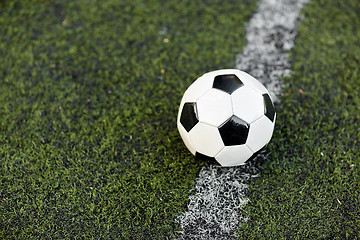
point(227, 115)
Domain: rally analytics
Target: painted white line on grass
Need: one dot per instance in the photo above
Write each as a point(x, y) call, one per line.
point(270, 35)
point(214, 210)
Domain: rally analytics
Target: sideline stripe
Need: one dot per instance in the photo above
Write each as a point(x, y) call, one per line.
point(270, 35)
point(214, 210)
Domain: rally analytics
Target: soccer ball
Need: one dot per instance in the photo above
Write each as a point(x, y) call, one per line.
point(226, 115)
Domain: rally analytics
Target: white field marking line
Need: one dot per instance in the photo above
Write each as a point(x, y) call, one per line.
point(214, 210)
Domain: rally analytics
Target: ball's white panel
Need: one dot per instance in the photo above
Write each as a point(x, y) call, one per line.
point(185, 137)
point(260, 133)
point(206, 139)
point(248, 104)
point(214, 107)
point(249, 80)
point(197, 89)
point(233, 155)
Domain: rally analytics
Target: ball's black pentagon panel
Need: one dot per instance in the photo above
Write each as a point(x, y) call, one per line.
point(269, 109)
point(227, 83)
point(206, 158)
point(234, 131)
point(189, 117)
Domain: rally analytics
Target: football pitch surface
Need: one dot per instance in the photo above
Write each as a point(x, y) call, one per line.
point(89, 93)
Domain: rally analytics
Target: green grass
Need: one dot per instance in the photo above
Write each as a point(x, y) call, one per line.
point(310, 184)
point(89, 92)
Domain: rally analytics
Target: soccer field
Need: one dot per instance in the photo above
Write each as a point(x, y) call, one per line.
point(89, 94)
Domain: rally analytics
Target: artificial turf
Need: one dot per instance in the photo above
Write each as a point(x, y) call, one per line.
point(89, 93)
point(309, 186)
